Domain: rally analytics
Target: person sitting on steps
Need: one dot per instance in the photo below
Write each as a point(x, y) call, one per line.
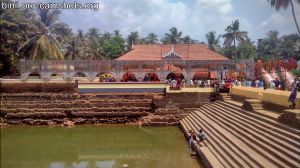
point(201, 135)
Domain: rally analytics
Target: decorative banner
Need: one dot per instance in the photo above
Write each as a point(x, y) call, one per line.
point(266, 76)
point(274, 74)
point(286, 76)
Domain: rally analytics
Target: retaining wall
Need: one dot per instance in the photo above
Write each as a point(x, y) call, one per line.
point(271, 96)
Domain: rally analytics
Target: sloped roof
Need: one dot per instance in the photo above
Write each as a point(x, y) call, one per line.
point(144, 52)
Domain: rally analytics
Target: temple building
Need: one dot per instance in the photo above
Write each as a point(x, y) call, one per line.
point(146, 62)
point(173, 52)
point(168, 51)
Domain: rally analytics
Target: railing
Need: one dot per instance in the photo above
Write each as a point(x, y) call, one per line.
point(92, 67)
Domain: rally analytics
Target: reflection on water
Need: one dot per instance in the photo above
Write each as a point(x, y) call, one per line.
point(95, 147)
point(85, 164)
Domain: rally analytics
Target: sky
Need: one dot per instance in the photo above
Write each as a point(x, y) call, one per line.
point(193, 17)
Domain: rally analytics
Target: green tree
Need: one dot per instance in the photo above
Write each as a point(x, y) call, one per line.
point(151, 38)
point(278, 4)
point(13, 31)
point(173, 37)
point(247, 49)
point(228, 51)
point(268, 47)
point(41, 44)
point(94, 44)
point(63, 33)
point(234, 35)
point(117, 33)
point(114, 47)
point(290, 46)
point(73, 49)
point(212, 40)
point(133, 38)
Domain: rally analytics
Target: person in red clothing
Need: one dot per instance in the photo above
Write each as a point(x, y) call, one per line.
point(192, 137)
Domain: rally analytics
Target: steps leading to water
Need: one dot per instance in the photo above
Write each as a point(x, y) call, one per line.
point(239, 138)
point(20, 108)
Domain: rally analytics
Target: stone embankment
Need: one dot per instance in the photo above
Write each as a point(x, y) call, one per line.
point(67, 109)
point(240, 138)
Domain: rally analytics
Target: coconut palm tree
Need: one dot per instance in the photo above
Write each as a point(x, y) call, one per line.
point(93, 49)
point(212, 40)
point(41, 44)
point(73, 49)
point(269, 46)
point(278, 4)
point(151, 38)
point(117, 33)
point(234, 35)
point(187, 40)
point(174, 37)
point(133, 38)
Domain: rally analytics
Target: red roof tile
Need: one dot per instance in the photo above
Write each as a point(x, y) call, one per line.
point(157, 51)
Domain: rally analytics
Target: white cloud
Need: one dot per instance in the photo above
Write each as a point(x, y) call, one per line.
point(283, 23)
point(158, 16)
point(220, 6)
point(193, 17)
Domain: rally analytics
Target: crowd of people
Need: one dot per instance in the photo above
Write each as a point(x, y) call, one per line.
point(202, 83)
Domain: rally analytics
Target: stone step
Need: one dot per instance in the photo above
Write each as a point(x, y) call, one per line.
point(206, 155)
point(74, 101)
point(209, 156)
point(108, 114)
point(266, 121)
point(67, 105)
point(240, 121)
point(253, 101)
point(187, 128)
point(43, 115)
point(215, 149)
point(257, 105)
point(260, 156)
point(275, 156)
point(286, 149)
point(95, 109)
point(248, 152)
point(232, 150)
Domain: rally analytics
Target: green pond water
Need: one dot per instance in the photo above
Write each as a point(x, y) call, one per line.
point(95, 147)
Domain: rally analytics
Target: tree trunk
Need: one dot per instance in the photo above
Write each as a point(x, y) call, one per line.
point(235, 48)
point(294, 16)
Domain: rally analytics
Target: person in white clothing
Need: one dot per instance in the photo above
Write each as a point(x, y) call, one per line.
point(201, 135)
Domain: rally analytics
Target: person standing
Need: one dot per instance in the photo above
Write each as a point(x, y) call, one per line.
point(293, 95)
point(277, 84)
point(192, 137)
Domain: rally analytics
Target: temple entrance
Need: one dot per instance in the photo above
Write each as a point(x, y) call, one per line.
point(151, 77)
point(129, 77)
point(175, 76)
point(34, 76)
point(56, 76)
point(80, 76)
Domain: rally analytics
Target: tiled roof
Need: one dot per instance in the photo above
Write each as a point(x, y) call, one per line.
point(157, 51)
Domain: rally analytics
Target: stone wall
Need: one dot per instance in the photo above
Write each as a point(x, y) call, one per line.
point(72, 108)
point(270, 97)
point(69, 109)
point(172, 107)
point(62, 104)
point(36, 87)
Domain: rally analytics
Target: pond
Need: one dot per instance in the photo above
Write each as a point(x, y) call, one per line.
point(106, 146)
